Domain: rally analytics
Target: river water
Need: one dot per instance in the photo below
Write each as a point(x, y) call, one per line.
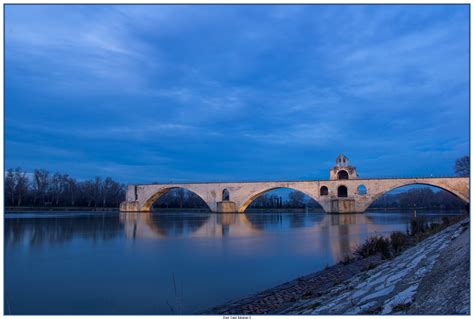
point(171, 262)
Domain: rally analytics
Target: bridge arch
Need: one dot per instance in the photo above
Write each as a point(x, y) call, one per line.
point(447, 188)
point(246, 202)
point(147, 206)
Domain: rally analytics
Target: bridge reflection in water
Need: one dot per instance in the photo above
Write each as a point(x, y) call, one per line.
point(341, 233)
point(143, 252)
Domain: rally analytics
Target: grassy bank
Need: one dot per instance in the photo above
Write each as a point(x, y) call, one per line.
point(391, 246)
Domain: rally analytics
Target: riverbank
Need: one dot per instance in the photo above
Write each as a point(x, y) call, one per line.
point(60, 209)
point(99, 209)
point(464, 209)
point(116, 209)
point(431, 277)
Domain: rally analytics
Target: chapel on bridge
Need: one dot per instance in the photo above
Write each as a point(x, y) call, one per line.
point(343, 170)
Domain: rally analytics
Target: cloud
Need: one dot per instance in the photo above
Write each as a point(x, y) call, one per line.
point(85, 50)
point(411, 62)
point(231, 91)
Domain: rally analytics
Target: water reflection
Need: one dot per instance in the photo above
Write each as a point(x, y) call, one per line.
point(158, 225)
point(188, 224)
point(266, 221)
point(200, 224)
point(34, 230)
point(104, 257)
point(149, 225)
point(345, 232)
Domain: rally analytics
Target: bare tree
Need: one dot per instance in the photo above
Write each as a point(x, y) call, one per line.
point(420, 198)
point(72, 190)
point(56, 188)
point(59, 189)
point(116, 193)
point(296, 199)
point(40, 184)
point(98, 188)
point(462, 166)
point(112, 192)
point(10, 186)
point(21, 185)
point(88, 191)
point(106, 184)
point(181, 196)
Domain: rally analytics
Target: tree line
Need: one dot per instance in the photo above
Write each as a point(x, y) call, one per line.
point(295, 199)
point(425, 197)
point(179, 198)
point(43, 188)
point(182, 198)
point(412, 198)
point(462, 166)
point(420, 198)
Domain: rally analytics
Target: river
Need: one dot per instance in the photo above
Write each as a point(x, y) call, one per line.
point(171, 262)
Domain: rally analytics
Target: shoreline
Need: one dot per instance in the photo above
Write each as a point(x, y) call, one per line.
point(60, 209)
point(310, 294)
point(250, 210)
point(68, 208)
point(273, 300)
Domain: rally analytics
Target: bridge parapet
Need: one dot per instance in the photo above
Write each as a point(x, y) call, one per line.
point(332, 199)
point(343, 192)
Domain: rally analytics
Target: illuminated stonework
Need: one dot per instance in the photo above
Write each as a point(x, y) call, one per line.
point(339, 194)
point(343, 170)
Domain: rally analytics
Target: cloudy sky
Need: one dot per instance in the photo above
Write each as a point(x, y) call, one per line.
point(172, 92)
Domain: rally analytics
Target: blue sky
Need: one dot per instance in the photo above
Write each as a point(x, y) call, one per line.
point(164, 93)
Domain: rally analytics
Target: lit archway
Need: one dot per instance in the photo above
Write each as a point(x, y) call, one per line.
point(342, 175)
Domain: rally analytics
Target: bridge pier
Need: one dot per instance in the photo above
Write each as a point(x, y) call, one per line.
point(342, 206)
point(226, 206)
point(130, 206)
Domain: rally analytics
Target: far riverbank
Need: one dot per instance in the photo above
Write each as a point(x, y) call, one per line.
point(98, 209)
point(249, 210)
point(60, 209)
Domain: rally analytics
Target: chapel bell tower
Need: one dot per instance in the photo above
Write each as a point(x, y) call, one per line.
point(343, 170)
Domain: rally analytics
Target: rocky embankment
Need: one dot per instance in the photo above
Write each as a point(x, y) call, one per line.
point(429, 278)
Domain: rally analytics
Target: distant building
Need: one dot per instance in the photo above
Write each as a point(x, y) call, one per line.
point(343, 170)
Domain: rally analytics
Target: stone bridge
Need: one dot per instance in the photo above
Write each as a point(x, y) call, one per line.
point(344, 192)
